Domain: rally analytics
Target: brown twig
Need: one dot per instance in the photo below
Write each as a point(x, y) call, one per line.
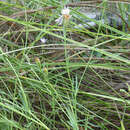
point(87, 58)
point(22, 13)
point(85, 3)
point(76, 4)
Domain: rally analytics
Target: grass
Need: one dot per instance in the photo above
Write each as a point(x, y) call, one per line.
point(78, 79)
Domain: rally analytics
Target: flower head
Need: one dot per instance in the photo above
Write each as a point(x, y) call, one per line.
point(65, 11)
point(64, 17)
point(43, 40)
point(59, 21)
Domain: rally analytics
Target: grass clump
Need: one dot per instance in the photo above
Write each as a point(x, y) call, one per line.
point(59, 76)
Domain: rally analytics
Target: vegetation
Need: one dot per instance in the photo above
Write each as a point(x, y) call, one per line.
point(60, 77)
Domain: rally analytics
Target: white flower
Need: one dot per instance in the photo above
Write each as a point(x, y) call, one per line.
point(65, 11)
point(43, 40)
point(65, 16)
point(59, 21)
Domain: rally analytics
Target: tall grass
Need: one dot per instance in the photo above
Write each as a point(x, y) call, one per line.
point(78, 79)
